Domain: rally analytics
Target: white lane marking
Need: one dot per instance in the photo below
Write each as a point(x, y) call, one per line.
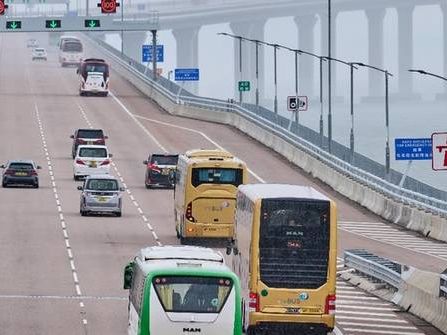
point(205, 136)
point(60, 212)
point(128, 191)
point(147, 132)
point(355, 318)
point(360, 324)
point(61, 297)
point(382, 315)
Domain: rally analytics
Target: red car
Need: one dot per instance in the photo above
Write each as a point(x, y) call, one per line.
point(87, 136)
point(160, 170)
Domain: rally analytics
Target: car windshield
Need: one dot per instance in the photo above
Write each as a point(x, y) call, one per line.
point(164, 159)
point(216, 176)
point(93, 152)
point(39, 50)
point(192, 294)
point(90, 133)
point(21, 166)
point(102, 184)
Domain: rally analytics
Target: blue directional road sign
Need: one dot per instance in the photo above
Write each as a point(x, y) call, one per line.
point(147, 53)
point(407, 149)
point(186, 74)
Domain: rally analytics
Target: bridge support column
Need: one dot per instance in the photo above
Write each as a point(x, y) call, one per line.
point(306, 27)
point(187, 41)
point(405, 41)
point(375, 51)
point(132, 44)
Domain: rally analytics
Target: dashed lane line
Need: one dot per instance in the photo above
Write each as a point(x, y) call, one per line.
point(62, 221)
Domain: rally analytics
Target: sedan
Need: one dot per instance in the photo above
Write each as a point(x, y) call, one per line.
point(101, 194)
point(39, 53)
point(20, 172)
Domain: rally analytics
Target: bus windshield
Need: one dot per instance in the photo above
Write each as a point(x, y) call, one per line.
point(184, 294)
point(294, 243)
point(216, 176)
point(72, 46)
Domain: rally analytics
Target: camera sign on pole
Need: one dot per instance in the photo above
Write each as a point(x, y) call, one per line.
point(292, 103)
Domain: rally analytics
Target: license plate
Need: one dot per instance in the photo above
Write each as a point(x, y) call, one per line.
point(93, 164)
point(101, 199)
point(293, 310)
point(165, 172)
point(89, 142)
point(21, 174)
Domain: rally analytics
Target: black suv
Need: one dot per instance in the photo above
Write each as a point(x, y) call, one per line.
point(160, 170)
point(87, 136)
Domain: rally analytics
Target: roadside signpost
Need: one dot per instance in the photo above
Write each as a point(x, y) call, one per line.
point(295, 107)
point(439, 151)
point(409, 149)
point(186, 74)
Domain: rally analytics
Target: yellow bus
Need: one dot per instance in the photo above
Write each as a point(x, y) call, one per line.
point(205, 194)
point(285, 253)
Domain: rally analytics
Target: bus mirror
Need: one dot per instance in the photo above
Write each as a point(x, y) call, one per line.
point(128, 274)
point(236, 251)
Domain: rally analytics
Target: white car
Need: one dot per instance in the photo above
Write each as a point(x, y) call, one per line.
point(39, 53)
point(91, 160)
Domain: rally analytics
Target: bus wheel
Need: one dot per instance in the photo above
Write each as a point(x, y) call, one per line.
point(183, 240)
point(251, 331)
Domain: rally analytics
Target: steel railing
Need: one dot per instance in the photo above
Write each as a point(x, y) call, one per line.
point(373, 266)
point(275, 124)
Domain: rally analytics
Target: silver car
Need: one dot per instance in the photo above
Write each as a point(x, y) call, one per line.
point(101, 194)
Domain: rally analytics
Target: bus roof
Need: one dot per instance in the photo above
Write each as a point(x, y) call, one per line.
point(175, 257)
point(275, 191)
point(203, 153)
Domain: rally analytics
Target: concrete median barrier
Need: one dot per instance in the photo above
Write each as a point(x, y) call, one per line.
point(399, 213)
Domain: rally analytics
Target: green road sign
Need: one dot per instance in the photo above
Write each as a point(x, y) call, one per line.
point(52, 24)
point(244, 86)
point(13, 25)
point(92, 23)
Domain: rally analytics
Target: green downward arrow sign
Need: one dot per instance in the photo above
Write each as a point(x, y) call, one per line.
point(53, 24)
point(14, 25)
point(92, 24)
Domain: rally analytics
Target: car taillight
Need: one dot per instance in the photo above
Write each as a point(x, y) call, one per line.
point(9, 172)
point(101, 142)
point(106, 162)
point(189, 216)
point(79, 141)
point(329, 307)
point(253, 303)
point(153, 167)
point(80, 162)
point(33, 172)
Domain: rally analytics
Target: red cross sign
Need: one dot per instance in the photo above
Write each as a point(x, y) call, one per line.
point(439, 150)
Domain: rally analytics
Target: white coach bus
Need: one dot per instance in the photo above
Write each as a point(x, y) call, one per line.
point(182, 290)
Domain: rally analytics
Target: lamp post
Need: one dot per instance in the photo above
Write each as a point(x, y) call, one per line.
point(329, 116)
point(428, 74)
point(352, 66)
point(297, 53)
point(387, 119)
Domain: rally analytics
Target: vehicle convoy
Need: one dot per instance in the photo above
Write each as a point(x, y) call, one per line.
point(91, 160)
point(70, 51)
point(285, 254)
point(160, 170)
point(205, 193)
point(20, 172)
point(93, 77)
point(39, 53)
point(182, 290)
point(101, 194)
point(87, 136)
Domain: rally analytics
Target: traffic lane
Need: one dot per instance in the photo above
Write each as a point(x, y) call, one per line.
point(130, 146)
point(97, 241)
point(231, 138)
point(29, 221)
point(40, 315)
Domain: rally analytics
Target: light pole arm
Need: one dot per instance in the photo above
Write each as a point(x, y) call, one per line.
point(428, 74)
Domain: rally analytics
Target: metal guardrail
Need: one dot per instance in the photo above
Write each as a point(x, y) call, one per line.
point(278, 125)
point(443, 285)
point(379, 268)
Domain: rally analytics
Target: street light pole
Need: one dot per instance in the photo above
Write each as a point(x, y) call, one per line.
point(329, 117)
point(428, 74)
point(240, 68)
point(387, 119)
point(275, 70)
point(257, 74)
point(321, 102)
point(351, 137)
